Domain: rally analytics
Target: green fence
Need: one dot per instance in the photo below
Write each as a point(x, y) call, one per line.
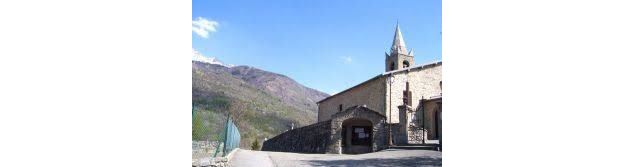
point(230, 138)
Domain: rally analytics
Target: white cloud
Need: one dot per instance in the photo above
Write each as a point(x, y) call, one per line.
point(347, 59)
point(203, 27)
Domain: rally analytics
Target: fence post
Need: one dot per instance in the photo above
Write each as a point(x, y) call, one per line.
point(226, 134)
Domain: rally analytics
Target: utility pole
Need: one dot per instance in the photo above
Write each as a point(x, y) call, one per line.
point(391, 80)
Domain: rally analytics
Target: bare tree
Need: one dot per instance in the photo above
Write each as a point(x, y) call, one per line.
point(237, 110)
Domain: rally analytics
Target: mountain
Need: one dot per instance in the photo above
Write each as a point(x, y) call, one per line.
point(262, 103)
point(196, 56)
point(281, 86)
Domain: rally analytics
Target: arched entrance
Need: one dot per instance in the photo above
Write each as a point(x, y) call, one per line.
point(357, 136)
point(437, 121)
point(355, 130)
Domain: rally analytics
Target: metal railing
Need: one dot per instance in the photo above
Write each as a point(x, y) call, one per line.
point(230, 138)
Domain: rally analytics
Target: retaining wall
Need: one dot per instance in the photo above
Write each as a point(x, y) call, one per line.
point(308, 139)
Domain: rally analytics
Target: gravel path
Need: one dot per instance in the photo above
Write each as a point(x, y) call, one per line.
point(389, 157)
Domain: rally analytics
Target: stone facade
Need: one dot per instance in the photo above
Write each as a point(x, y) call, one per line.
point(398, 61)
point(384, 93)
point(308, 139)
point(424, 82)
point(408, 96)
point(402, 105)
point(379, 137)
point(431, 110)
point(326, 136)
point(371, 93)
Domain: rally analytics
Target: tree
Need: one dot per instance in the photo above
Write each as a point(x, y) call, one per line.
point(237, 109)
point(255, 145)
point(198, 128)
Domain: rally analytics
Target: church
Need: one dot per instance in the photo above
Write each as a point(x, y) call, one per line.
point(399, 107)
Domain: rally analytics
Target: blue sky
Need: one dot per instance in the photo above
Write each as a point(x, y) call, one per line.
point(326, 45)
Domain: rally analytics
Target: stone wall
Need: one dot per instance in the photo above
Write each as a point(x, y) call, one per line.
point(398, 59)
point(379, 136)
point(371, 93)
point(308, 139)
point(203, 154)
point(424, 83)
point(379, 94)
point(429, 109)
point(325, 136)
point(201, 149)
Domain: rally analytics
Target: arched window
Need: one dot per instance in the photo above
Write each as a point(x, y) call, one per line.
point(406, 64)
point(392, 66)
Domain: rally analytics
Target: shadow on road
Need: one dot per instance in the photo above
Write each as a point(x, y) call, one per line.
point(408, 161)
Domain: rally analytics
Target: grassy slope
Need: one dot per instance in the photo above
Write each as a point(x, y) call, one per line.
point(216, 92)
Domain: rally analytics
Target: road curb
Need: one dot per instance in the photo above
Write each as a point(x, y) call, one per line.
point(231, 154)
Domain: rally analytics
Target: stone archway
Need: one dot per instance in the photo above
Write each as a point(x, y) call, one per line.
point(369, 122)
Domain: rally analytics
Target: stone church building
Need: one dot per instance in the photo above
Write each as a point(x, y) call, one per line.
point(401, 106)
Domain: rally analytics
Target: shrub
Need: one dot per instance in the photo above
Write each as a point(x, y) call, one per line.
point(255, 145)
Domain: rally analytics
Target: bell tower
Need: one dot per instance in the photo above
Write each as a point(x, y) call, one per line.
point(398, 58)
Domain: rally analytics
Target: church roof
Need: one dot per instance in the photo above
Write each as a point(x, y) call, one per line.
point(436, 97)
point(357, 108)
point(432, 64)
point(423, 66)
point(398, 44)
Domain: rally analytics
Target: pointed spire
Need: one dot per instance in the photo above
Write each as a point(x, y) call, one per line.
point(398, 44)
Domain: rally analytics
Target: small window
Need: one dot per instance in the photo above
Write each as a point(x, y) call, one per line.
point(392, 66)
point(340, 107)
point(441, 87)
point(406, 64)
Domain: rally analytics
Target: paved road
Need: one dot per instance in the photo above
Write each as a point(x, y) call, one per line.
point(389, 157)
point(250, 158)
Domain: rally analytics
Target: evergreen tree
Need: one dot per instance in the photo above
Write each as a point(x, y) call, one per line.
point(255, 145)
